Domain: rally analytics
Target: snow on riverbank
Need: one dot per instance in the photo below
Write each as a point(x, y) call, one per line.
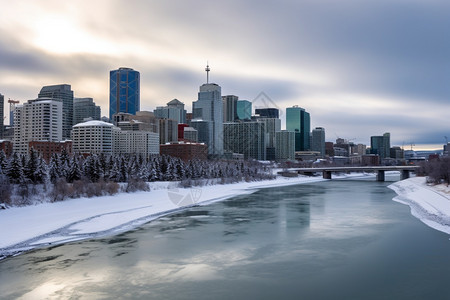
point(430, 204)
point(24, 228)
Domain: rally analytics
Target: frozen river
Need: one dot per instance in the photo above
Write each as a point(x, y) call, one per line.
point(328, 240)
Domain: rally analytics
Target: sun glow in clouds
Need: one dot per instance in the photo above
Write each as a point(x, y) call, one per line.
point(59, 35)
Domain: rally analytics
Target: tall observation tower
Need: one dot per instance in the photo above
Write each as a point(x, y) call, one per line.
point(208, 116)
point(207, 69)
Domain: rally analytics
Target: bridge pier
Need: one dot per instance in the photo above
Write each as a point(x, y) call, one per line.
point(405, 174)
point(326, 174)
point(380, 176)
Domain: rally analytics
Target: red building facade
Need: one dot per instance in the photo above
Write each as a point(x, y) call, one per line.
point(46, 149)
point(185, 151)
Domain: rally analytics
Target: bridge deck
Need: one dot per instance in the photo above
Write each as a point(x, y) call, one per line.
point(380, 169)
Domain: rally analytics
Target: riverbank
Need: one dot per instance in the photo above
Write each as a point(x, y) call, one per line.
point(26, 228)
point(430, 204)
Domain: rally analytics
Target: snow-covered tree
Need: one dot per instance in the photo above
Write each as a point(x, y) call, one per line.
point(14, 169)
point(30, 167)
point(74, 173)
point(40, 174)
point(54, 168)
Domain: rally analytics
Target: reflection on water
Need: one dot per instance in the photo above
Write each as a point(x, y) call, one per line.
point(333, 240)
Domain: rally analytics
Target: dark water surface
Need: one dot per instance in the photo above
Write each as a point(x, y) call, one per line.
point(329, 240)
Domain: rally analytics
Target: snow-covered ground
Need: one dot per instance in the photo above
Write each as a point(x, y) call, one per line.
point(430, 204)
point(25, 228)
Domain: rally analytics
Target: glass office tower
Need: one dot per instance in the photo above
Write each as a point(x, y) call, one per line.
point(62, 93)
point(124, 91)
point(298, 120)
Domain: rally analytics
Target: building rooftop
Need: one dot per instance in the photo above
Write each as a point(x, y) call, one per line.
point(93, 123)
point(174, 102)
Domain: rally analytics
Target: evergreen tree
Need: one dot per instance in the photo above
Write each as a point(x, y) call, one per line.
point(180, 169)
point(123, 170)
point(54, 169)
point(40, 175)
point(74, 173)
point(103, 165)
point(143, 173)
point(152, 173)
point(92, 168)
point(14, 170)
point(114, 174)
point(31, 165)
point(133, 168)
point(3, 160)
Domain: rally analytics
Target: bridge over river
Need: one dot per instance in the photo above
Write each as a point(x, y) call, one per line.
point(327, 171)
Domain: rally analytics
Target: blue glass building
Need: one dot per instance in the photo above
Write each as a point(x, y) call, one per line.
point(298, 120)
point(244, 110)
point(124, 91)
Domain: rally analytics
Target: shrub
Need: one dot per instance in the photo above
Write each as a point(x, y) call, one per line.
point(61, 190)
point(135, 184)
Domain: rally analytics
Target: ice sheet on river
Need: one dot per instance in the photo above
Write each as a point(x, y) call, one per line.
point(430, 204)
point(24, 228)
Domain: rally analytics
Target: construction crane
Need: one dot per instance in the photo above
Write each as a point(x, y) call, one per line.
point(12, 106)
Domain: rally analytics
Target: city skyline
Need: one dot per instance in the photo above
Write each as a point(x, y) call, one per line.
point(358, 68)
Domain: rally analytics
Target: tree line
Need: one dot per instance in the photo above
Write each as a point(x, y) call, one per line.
point(436, 170)
point(75, 175)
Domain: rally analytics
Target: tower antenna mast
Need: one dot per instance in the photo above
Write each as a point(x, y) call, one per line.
point(207, 69)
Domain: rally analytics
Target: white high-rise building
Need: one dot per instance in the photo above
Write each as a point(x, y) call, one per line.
point(37, 120)
point(209, 108)
point(64, 94)
point(135, 142)
point(93, 137)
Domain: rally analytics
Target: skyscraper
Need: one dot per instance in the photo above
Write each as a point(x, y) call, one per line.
point(37, 120)
point(84, 108)
point(244, 110)
point(168, 131)
point(285, 145)
point(209, 108)
point(271, 127)
point(381, 145)
point(64, 94)
point(230, 108)
point(124, 91)
point(246, 138)
point(298, 120)
point(318, 140)
point(2, 114)
point(267, 112)
point(174, 110)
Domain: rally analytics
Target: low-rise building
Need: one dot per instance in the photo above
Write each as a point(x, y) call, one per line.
point(185, 150)
point(46, 149)
point(7, 147)
point(370, 160)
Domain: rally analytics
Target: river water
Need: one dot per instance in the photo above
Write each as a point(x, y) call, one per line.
point(328, 240)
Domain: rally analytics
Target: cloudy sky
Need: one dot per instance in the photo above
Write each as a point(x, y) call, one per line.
point(360, 67)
